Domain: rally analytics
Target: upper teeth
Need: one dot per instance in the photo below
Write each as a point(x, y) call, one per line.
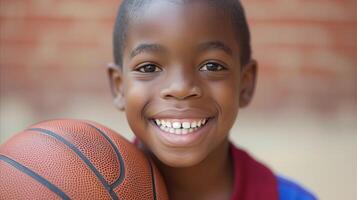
point(179, 127)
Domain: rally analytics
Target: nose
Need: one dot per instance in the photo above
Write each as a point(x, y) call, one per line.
point(181, 86)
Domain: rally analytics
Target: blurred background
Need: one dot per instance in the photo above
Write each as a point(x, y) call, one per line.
point(302, 122)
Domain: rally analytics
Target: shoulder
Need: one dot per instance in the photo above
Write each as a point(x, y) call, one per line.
point(289, 190)
point(241, 157)
point(257, 178)
point(252, 179)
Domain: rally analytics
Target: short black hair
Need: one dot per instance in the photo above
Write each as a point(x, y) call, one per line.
point(129, 10)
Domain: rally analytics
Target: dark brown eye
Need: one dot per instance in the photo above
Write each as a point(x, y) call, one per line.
point(212, 67)
point(149, 68)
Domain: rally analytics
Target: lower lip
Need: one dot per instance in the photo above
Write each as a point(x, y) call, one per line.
point(183, 140)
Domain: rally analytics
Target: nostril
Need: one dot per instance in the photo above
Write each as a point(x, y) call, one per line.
point(182, 97)
point(190, 96)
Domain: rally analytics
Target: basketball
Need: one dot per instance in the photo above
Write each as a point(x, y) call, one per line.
point(75, 159)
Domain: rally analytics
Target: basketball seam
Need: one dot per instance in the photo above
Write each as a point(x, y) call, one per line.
point(35, 176)
point(153, 180)
point(119, 157)
point(81, 156)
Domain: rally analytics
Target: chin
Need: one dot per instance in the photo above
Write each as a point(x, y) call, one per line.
point(179, 160)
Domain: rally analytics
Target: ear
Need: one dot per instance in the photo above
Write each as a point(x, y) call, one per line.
point(248, 81)
point(116, 85)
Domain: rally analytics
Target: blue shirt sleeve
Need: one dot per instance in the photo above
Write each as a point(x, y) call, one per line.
point(289, 190)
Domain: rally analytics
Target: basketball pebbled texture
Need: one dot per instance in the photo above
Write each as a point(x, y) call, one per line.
point(76, 159)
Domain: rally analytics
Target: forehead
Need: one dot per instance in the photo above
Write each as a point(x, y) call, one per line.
point(171, 21)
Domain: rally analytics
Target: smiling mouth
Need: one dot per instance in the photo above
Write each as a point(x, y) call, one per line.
point(180, 127)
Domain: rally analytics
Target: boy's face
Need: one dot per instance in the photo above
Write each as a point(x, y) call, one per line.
point(181, 69)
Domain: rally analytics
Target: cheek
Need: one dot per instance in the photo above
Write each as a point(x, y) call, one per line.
point(136, 97)
point(226, 95)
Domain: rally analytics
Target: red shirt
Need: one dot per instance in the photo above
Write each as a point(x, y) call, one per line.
point(252, 180)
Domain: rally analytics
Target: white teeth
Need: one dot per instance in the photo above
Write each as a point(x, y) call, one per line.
point(203, 121)
point(178, 131)
point(184, 131)
point(176, 125)
point(180, 128)
point(168, 124)
point(186, 125)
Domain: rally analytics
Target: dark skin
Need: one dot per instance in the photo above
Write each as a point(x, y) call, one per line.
point(184, 66)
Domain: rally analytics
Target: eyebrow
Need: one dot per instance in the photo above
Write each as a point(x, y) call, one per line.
point(147, 48)
point(215, 45)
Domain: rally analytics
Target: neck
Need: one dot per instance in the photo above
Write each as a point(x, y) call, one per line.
point(213, 177)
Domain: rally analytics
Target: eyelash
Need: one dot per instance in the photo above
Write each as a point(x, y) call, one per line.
point(142, 68)
point(203, 68)
point(220, 67)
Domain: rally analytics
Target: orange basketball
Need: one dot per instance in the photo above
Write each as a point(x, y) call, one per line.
point(74, 159)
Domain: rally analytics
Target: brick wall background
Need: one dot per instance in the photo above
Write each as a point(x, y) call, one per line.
point(302, 121)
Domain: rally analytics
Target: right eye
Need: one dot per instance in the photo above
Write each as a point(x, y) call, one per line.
point(148, 68)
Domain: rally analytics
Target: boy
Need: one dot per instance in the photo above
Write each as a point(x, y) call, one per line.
point(183, 68)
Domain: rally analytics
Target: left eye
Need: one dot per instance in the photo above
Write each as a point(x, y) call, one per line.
point(212, 67)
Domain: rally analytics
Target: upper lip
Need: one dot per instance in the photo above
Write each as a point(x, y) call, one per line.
point(181, 114)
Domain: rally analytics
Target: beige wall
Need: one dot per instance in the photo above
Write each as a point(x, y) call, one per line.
point(302, 122)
